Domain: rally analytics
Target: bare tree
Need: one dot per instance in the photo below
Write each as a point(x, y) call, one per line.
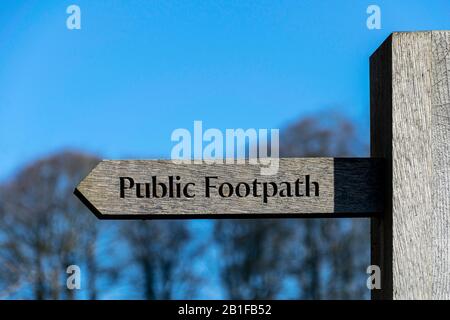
point(159, 250)
point(44, 229)
point(330, 261)
point(325, 257)
point(252, 257)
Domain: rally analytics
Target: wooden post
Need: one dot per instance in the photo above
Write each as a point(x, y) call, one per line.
point(410, 127)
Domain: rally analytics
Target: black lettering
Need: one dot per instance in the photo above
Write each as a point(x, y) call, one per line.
point(265, 190)
point(178, 187)
point(155, 185)
point(297, 188)
point(208, 186)
point(247, 189)
point(170, 186)
point(230, 190)
point(308, 186)
point(186, 190)
point(147, 190)
point(122, 185)
point(287, 192)
point(255, 188)
point(138, 190)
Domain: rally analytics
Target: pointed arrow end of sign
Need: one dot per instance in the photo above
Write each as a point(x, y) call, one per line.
point(88, 204)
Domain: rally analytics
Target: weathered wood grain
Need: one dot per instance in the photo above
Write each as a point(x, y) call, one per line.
point(347, 187)
point(440, 137)
point(410, 128)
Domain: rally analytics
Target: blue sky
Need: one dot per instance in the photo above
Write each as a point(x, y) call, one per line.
point(137, 70)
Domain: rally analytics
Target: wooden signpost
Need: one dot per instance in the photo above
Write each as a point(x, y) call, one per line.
point(302, 186)
point(404, 188)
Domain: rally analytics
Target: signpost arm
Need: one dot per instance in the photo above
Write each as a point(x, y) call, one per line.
point(410, 127)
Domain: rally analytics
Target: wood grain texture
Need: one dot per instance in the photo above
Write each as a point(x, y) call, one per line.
point(410, 128)
point(347, 187)
point(440, 137)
